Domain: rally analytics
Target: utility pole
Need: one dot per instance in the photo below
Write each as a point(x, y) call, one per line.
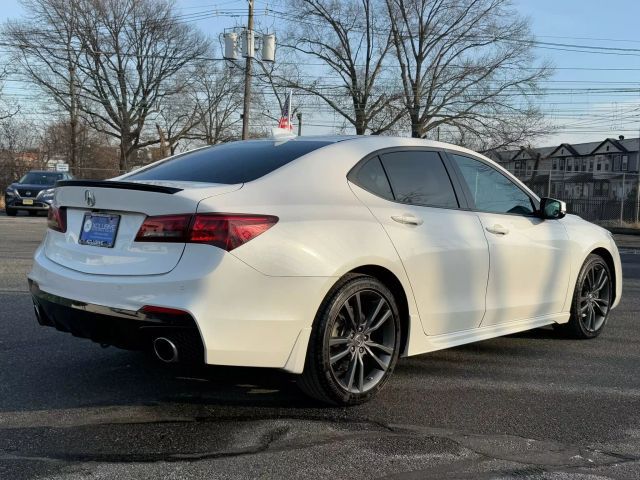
point(247, 78)
point(299, 115)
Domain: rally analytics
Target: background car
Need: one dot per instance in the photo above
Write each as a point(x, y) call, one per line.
point(33, 192)
point(326, 257)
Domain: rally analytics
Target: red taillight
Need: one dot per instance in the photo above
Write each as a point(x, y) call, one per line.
point(57, 219)
point(223, 230)
point(166, 228)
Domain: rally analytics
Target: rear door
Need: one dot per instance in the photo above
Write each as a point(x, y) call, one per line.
point(128, 204)
point(530, 257)
point(442, 247)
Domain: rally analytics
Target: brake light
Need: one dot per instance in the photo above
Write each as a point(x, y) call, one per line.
point(57, 219)
point(166, 228)
point(154, 310)
point(223, 230)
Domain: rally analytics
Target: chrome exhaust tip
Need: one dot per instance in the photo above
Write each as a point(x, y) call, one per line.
point(165, 350)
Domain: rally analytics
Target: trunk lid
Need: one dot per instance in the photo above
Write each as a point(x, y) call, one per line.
point(132, 202)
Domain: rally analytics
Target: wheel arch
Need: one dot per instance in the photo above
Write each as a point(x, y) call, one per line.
point(608, 259)
point(393, 283)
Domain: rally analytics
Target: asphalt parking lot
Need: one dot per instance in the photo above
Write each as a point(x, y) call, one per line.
point(531, 405)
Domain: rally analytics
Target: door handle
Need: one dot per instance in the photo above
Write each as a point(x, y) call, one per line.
point(497, 229)
point(407, 219)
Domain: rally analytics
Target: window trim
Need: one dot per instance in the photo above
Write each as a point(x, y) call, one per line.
point(455, 185)
point(469, 197)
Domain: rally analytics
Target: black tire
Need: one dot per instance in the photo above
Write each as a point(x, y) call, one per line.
point(370, 345)
point(11, 212)
point(581, 324)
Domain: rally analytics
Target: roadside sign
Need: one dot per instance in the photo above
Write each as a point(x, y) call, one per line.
point(62, 167)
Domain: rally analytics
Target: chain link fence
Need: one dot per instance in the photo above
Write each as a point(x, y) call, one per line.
point(609, 199)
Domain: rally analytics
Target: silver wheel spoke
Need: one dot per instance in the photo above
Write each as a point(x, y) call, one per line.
point(338, 341)
point(360, 315)
point(351, 373)
point(361, 374)
point(349, 310)
point(602, 281)
point(339, 356)
point(592, 314)
point(585, 305)
point(382, 365)
point(387, 350)
point(374, 314)
point(602, 308)
point(384, 318)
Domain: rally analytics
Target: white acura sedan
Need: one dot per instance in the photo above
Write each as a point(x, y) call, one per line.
point(325, 257)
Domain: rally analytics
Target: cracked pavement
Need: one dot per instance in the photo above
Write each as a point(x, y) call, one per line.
point(531, 405)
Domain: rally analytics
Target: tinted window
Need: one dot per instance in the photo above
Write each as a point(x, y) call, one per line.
point(491, 190)
point(371, 177)
point(234, 162)
point(419, 178)
point(41, 178)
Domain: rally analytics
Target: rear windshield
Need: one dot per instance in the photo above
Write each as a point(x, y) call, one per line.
point(234, 162)
point(40, 178)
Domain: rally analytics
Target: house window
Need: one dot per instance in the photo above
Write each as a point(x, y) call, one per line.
point(605, 189)
point(625, 163)
point(554, 164)
point(591, 165)
point(562, 164)
point(606, 166)
point(616, 163)
point(569, 164)
point(584, 165)
point(599, 166)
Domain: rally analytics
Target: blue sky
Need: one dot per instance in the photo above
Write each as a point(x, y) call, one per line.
point(584, 115)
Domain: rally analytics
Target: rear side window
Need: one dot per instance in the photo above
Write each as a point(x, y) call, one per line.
point(419, 178)
point(372, 178)
point(229, 163)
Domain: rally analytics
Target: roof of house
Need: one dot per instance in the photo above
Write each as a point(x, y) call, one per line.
point(579, 149)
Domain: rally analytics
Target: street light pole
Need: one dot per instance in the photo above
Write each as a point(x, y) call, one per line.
point(247, 79)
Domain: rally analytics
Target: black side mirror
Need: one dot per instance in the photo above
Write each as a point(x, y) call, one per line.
point(552, 209)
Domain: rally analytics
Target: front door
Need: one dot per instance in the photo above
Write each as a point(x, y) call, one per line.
point(529, 257)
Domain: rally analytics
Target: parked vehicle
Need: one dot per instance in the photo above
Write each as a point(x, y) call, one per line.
point(33, 192)
point(326, 257)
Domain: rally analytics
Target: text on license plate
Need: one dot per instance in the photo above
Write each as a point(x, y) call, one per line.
point(99, 229)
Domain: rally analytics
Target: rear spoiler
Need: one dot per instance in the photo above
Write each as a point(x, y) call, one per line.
point(145, 187)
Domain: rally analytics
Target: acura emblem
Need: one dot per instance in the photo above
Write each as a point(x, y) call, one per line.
point(89, 198)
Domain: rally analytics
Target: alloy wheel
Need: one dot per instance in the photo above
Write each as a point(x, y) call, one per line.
point(595, 298)
point(362, 341)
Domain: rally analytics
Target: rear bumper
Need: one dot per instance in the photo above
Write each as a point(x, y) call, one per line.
point(244, 318)
point(132, 330)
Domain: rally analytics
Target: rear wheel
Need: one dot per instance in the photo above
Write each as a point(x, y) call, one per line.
point(11, 212)
point(354, 344)
point(591, 300)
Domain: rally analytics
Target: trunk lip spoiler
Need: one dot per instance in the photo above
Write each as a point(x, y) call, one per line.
point(145, 187)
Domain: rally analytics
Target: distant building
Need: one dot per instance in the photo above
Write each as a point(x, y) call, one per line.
point(594, 170)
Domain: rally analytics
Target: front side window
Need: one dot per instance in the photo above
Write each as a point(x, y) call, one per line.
point(491, 190)
point(419, 178)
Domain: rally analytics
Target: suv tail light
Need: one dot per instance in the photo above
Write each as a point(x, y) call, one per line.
point(57, 219)
point(223, 230)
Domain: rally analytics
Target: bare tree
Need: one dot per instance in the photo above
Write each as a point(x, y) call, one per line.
point(349, 40)
point(467, 68)
point(217, 95)
point(45, 52)
point(132, 52)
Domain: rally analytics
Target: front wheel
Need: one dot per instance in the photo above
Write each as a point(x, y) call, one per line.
point(591, 300)
point(354, 343)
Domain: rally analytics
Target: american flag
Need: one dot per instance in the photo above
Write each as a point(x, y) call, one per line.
point(285, 117)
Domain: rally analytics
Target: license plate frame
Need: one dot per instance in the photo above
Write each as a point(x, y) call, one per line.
point(104, 235)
